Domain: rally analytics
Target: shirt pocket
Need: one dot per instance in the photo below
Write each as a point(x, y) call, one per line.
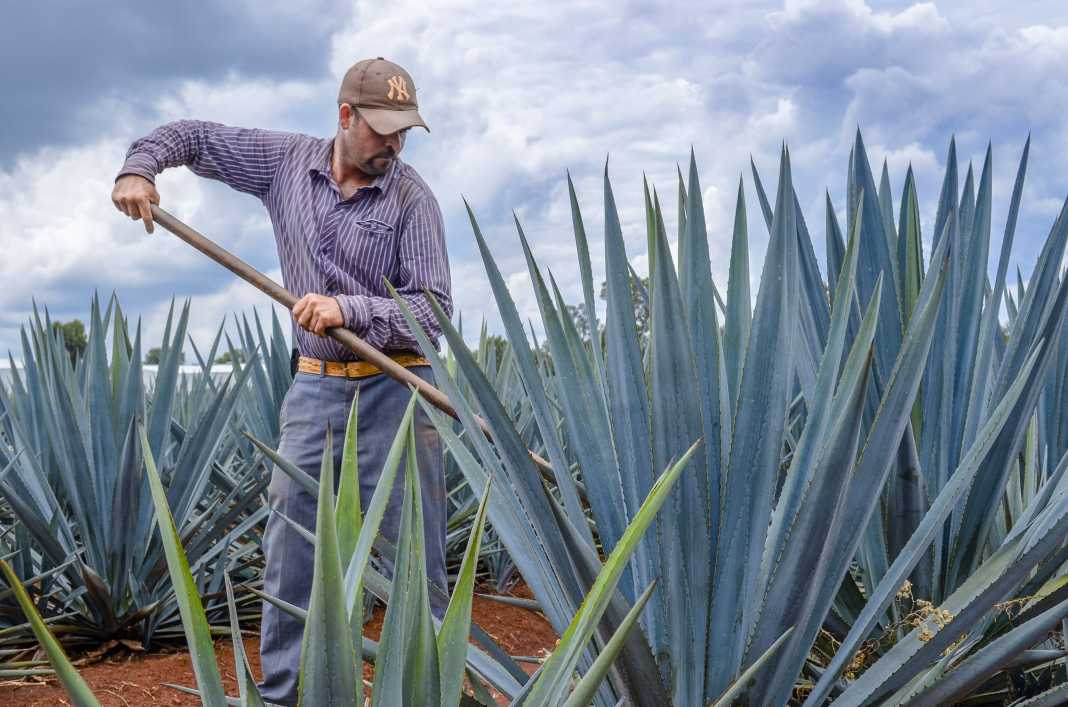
point(373, 226)
point(369, 253)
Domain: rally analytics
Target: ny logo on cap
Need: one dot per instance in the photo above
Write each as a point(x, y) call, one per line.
point(398, 89)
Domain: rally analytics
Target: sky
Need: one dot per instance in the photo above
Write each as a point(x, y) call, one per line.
point(517, 96)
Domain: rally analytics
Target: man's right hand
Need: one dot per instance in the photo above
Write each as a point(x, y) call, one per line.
point(133, 195)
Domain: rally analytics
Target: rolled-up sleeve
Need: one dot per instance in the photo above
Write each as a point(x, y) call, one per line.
point(246, 159)
point(423, 268)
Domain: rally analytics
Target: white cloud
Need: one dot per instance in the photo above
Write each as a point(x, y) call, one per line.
point(59, 223)
point(923, 16)
point(518, 95)
point(517, 104)
point(62, 237)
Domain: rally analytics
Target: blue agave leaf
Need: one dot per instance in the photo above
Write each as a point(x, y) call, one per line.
point(966, 213)
point(884, 436)
point(947, 199)
point(590, 434)
point(998, 654)
point(937, 386)
point(814, 312)
point(739, 302)
point(528, 373)
point(639, 681)
point(931, 525)
point(407, 669)
point(970, 303)
point(586, 277)
point(166, 381)
point(327, 663)
point(521, 473)
point(714, 405)
point(1053, 697)
point(820, 519)
point(756, 443)
point(970, 536)
point(989, 330)
point(811, 513)
point(1000, 574)
point(555, 676)
point(101, 432)
point(886, 206)
point(629, 404)
point(815, 317)
point(909, 247)
point(676, 422)
point(796, 484)
point(1036, 300)
point(835, 243)
point(586, 688)
point(875, 259)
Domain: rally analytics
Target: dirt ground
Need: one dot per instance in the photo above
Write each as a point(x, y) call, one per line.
point(126, 679)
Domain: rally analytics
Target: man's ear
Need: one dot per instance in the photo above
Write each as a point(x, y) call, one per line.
point(345, 116)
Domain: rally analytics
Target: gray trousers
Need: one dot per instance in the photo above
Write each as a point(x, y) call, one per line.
point(311, 404)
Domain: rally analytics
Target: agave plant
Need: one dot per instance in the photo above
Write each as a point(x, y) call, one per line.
point(412, 673)
point(270, 376)
point(68, 676)
point(16, 661)
point(882, 426)
point(418, 660)
point(494, 356)
point(79, 503)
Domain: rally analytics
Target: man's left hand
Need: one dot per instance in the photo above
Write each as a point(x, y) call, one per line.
point(317, 313)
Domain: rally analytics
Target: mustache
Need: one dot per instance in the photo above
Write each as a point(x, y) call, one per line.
point(389, 153)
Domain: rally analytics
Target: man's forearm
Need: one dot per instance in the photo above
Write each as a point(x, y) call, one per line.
point(169, 145)
point(142, 164)
point(243, 158)
point(380, 322)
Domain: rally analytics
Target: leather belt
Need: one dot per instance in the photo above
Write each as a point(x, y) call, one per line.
point(354, 369)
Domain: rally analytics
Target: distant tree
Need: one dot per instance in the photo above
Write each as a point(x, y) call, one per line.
point(496, 343)
point(499, 343)
point(152, 357)
point(582, 323)
point(242, 357)
point(74, 338)
point(639, 298)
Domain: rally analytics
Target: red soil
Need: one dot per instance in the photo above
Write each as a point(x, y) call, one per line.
point(126, 679)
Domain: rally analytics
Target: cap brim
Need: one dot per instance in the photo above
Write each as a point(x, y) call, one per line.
point(386, 122)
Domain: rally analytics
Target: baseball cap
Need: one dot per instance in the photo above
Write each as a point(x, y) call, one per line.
point(385, 94)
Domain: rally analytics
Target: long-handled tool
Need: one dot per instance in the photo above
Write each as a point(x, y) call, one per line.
point(287, 299)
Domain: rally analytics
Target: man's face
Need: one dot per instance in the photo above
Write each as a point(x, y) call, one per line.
point(371, 153)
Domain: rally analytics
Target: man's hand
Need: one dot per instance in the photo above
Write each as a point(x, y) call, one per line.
point(317, 313)
point(133, 195)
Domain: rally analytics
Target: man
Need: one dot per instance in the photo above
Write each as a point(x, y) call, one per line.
point(347, 214)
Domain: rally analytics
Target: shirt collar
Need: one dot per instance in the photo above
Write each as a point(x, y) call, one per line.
point(321, 166)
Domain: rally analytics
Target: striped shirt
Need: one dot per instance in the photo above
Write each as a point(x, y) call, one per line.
point(344, 248)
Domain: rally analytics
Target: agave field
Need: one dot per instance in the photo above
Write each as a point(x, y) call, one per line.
point(78, 518)
point(847, 487)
